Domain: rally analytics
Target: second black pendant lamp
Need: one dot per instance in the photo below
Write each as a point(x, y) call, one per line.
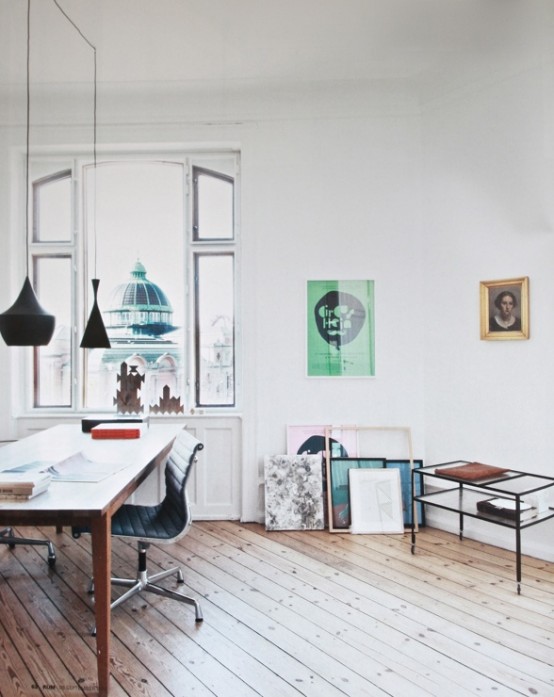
point(95, 335)
point(26, 323)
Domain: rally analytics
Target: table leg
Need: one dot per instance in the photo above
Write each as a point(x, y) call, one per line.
point(518, 558)
point(414, 512)
point(101, 564)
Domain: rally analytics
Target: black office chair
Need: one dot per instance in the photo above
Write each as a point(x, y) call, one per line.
point(165, 522)
point(8, 538)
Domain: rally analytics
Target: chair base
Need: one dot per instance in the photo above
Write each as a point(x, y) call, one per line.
point(144, 582)
point(8, 538)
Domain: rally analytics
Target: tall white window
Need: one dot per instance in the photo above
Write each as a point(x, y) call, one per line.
point(160, 234)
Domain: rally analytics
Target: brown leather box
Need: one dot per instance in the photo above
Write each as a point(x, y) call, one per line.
point(471, 471)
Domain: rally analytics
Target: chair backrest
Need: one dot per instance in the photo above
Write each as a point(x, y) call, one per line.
point(177, 471)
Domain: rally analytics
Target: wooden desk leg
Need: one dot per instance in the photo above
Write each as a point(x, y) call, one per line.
point(101, 564)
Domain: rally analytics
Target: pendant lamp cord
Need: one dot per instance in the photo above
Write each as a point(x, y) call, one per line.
point(64, 13)
point(28, 140)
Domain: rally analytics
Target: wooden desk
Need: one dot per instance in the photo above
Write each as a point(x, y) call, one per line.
point(87, 503)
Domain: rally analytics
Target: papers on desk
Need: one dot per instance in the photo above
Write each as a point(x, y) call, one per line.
point(79, 468)
point(34, 466)
point(76, 468)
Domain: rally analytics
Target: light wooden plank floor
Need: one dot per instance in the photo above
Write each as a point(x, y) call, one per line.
point(286, 613)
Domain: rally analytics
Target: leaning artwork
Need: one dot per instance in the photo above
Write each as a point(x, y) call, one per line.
point(294, 492)
point(376, 501)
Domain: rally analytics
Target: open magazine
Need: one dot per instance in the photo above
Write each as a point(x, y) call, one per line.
point(76, 468)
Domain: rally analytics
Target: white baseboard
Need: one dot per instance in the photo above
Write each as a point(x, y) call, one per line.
point(533, 539)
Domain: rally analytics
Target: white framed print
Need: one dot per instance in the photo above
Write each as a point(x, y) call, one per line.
point(375, 501)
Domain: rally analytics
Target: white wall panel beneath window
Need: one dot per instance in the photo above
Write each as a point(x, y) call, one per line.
point(214, 486)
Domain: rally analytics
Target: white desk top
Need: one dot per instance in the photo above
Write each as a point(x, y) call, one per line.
point(87, 498)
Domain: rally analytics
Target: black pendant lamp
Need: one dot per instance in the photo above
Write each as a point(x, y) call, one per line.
point(95, 335)
point(26, 323)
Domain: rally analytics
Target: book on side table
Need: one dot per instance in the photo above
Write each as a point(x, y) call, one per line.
point(471, 471)
point(507, 509)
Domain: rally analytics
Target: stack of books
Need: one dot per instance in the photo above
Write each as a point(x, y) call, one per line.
point(21, 486)
point(506, 509)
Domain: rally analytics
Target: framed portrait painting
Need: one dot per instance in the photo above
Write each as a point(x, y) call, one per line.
point(340, 329)
point(505, 309)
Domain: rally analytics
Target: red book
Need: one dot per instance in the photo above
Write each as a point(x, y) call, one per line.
point(106, 431)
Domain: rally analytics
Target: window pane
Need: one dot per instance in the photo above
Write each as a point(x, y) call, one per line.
point(213, 205)
point(215, 330)
point(139, 213)
point(53, 362)
point(52, 208)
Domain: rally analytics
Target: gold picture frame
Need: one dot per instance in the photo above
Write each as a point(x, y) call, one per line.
point(505, 309)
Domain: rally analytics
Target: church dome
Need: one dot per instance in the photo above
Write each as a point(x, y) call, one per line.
point(139, 307)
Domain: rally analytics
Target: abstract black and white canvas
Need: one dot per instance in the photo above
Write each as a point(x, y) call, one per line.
point(294, 492)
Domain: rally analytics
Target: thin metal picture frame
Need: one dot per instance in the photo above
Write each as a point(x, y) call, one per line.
point(338, 488)
point(405, 467)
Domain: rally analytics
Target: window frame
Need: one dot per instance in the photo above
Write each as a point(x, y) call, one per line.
point(55, 162)
point(36, 350)
point(36, 184)
point(196, 172)
point(197, 255)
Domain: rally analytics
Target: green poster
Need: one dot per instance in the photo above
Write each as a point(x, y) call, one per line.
point(341, 331)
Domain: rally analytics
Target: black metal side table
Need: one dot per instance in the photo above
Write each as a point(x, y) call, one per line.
point(462, 496)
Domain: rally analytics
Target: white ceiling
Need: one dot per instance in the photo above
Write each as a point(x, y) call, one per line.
point(432, 44)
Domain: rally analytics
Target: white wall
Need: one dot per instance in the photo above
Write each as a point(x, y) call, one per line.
point(490, 215)
point(326, 199)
